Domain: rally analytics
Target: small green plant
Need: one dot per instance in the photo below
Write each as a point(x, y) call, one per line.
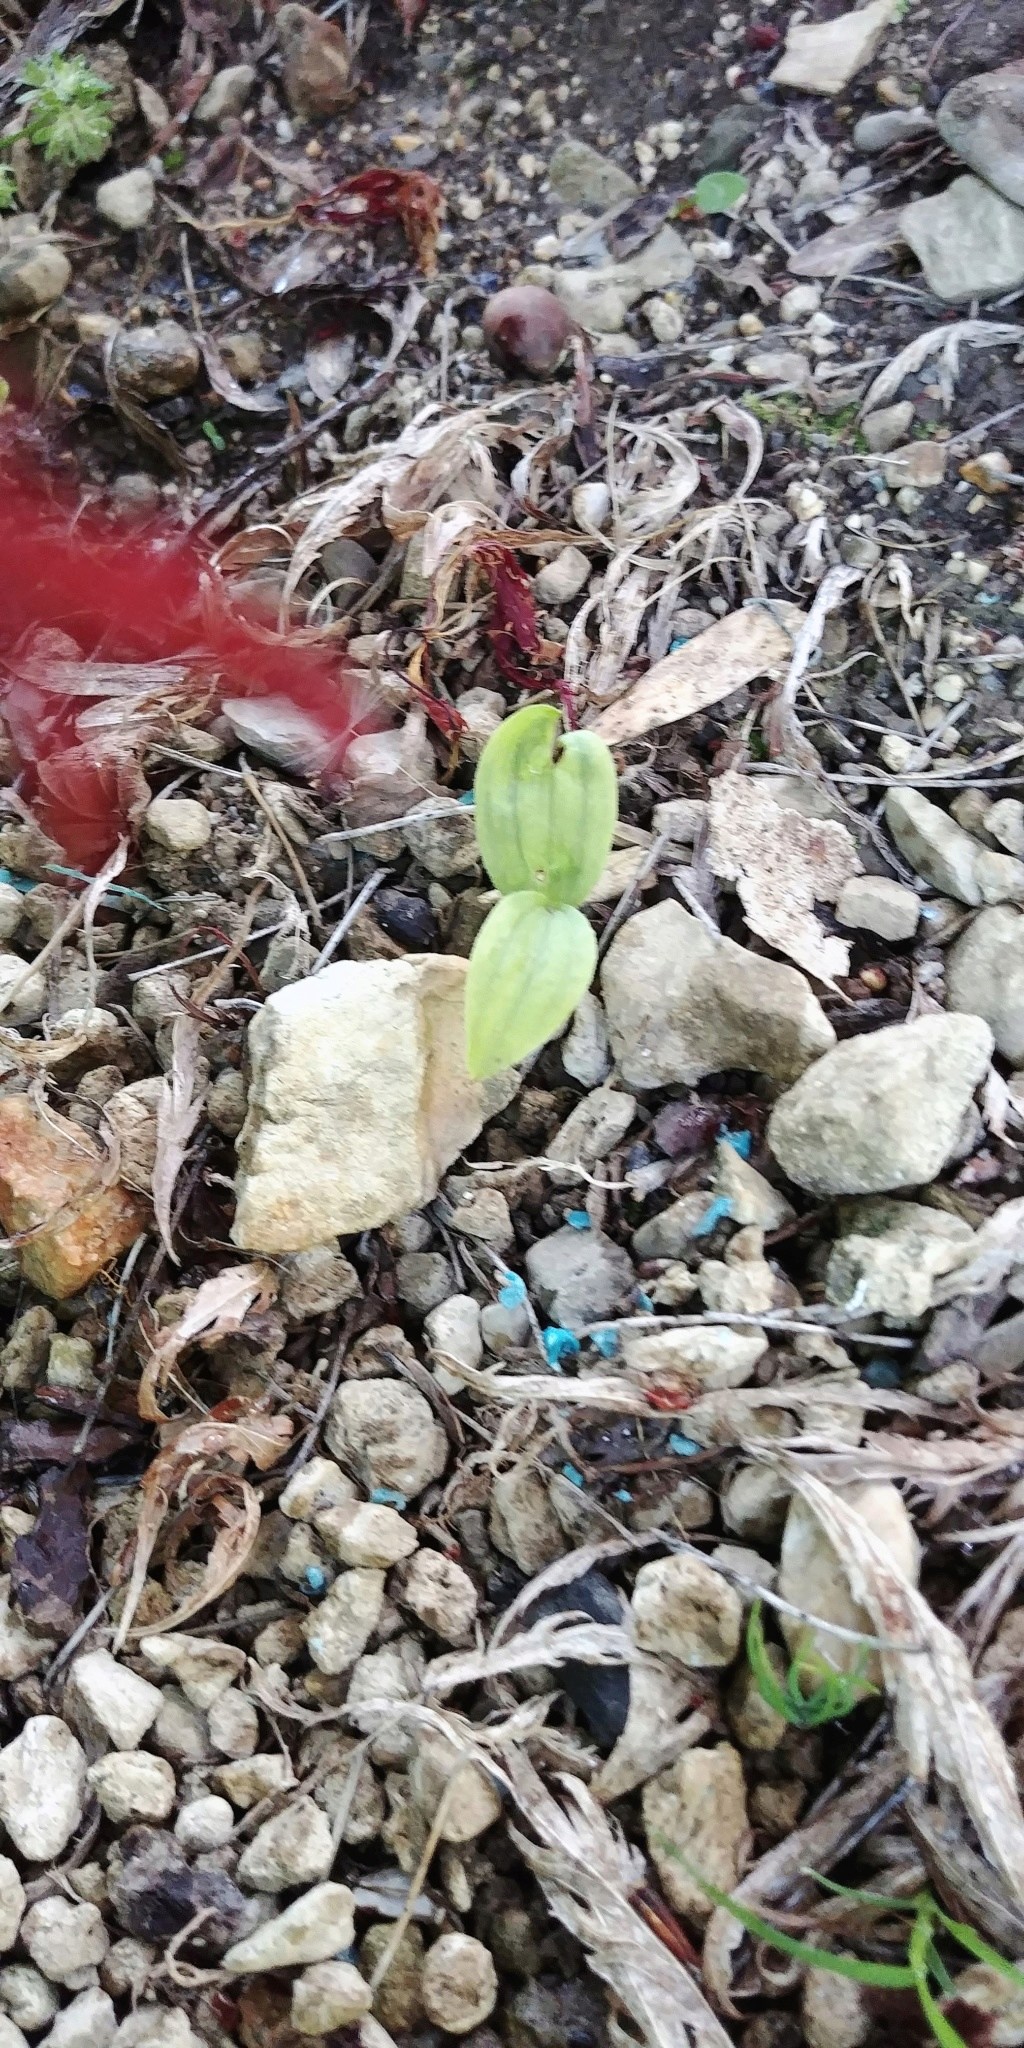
point(546, 805)
point(65, 115)
point(813, 1691)
point(716, 192)
point(924, 1970)
point(8, 190)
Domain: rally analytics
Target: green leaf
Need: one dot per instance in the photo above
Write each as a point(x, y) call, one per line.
point(64, 113)
point(719, 191)
point(918, 1957)
point(531, 963)
point(545, 807)
point(975, 1946)
point(834, 1693)
point(8, 190)
point(890, 1976)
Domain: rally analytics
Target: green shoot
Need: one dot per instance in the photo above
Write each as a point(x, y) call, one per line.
point(923, 1969)
point(813, 1691)
point(719, 191)
point(546, 806)
point(65, 116)
point(8, 190)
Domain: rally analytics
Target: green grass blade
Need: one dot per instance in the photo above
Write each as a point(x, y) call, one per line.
point(888, 1976)
point(918, 1957)
point(975, 1946)
point(862, 1898)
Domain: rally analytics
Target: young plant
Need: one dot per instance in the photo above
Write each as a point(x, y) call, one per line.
point(716, 192)
point(66, 118)
point(546, 805)
point(814, 1691)
point(8, 190)
point(924, 1970)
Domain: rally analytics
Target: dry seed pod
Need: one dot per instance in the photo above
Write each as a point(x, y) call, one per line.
point(526, 329)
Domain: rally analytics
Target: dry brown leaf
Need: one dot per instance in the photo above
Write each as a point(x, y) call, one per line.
point(177, 1115)
point(939, 1721)
point(782, 864)
point(220, 1307)
point(248, 1437)
point(588, 1872)
point(723, 658)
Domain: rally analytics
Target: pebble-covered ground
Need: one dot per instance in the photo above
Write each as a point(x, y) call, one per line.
point(458, 1537)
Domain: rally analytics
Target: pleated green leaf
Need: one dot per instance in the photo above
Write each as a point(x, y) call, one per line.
point(531, 963)
point(546, 806)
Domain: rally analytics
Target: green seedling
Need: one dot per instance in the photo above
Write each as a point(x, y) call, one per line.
point(813, 1691)
point(8, 190)
point(65, 113)
point(716, 192)
point(546, 806)
point(924, 1970)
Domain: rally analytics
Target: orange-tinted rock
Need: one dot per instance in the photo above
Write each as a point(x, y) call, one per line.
point(51, 1168)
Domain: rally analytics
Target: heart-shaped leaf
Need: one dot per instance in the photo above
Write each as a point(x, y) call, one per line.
point(545, 806)
point(719, 191)
point(531, 963)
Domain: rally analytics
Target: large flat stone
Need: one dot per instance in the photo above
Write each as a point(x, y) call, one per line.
point(982, 119)
point(358, 1102)
point(969, 241)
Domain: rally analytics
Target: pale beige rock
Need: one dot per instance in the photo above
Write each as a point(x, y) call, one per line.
point(206, 1823)
point(65, 1940)
point(890, 1254)
point(683, 1608)
point(681, 1005)
point(459, 1985)
point(12, 1902)
point(823, 56)
point(132, 1785)
point(21, 1650)
point(440, 1594)
point(202, 1667)
point(88, 2022)
point(178, 824)
point(42, 1787)
point(318, 1925)
point(291, 1848)
point(523, 1523)
point(156, 2026)
point(110, 1699)
point(472, 1805)
point(250, 1779)
point(338, 1631)
point(698, 1809)
point(366, 1533)
point(696, 1360)
point(389, 1430)
point(392, 1673)
point(812, 1576)
point(328, 1996)
point(358, 1102)
point(27, 1998)
point(834, 2011)
point(753, 1198)
point(233, 1725)
point(318, 1484)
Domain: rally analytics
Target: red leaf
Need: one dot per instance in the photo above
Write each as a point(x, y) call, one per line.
point(371, 197)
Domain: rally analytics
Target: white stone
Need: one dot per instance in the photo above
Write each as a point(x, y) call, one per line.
point(226, 95)
point(132, 1785)
point(681, 1004)
point(12, 910)
point(233, 1725)
point(156, 2026)
point(206, 1823)
point(695, 1819)
point(27, 1006)
point(21, 1650)
point(178, 824)
point(110, 1699)
point(874, 903)
point(128, 200)
point(884, 1111)
point(328, 1996)
point(27, 1997)
point(64, 1940)
point(338, 1631)
point(696, 1361)
point(889, 1256)
point(317, 1282)
point(319, 1925)
point(393, 1673)
point(454, 1335)
point(459, 1985)
point(823, 56)
point(666, 321)
point(585, 1051)
point(985, 976)
point(813, 1577)
point(473, 1804)
point(388, 1430)
point(751, 1197)
point(684, 1609)
point(88, 2022)
point(292, 1848)
point(10, 2035)
point(318, 1484)
point(969, 241)
point(359, 1101)
point(366, 1533)
point(203, 1668)
point(593, 1129)
point(12, 1902)
point(253, 1778)
point(799, 302)
point(563, 577)
point(42, 1787)
point(440, 1594)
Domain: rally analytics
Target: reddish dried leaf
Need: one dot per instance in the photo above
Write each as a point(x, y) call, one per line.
point(371, 197)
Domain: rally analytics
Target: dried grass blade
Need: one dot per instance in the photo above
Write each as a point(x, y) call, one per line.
point(177, 1115)
point(588, 1873)
point(220, 1307)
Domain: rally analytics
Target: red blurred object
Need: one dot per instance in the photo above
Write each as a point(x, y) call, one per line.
point(514, 627)
point(411, 13)
point(415, 201)
point(763, 35)
point(120, 597)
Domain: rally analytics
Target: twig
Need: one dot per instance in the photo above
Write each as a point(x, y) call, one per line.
point(345, 923)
